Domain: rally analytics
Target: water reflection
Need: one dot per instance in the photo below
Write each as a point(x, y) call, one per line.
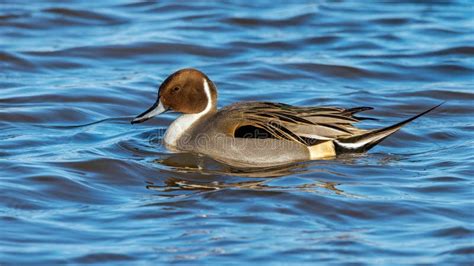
point(197, 163)
point(201, 173)
point(173, 184)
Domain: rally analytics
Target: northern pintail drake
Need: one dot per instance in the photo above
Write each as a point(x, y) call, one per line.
point(257, 133)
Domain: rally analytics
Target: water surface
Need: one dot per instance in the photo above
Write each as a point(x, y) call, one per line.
point(79, 184)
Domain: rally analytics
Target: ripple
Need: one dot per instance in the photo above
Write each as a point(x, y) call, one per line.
point(445, 95)
point(276, 45)
point(68, 17)
point(63, 189)
point(103, 257)
point(131, 51)
point(329, 39)
point(339, 71)
point(392, 21)
point(284, 22)
point(453, 232)
point(460, 50)
point(15, 62)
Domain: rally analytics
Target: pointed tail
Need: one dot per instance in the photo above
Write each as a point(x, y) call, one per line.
point(365, 141)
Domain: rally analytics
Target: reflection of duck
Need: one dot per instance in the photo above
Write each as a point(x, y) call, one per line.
point(257, 133)
point(180, 184)
point(197, 173)
point(190, 164)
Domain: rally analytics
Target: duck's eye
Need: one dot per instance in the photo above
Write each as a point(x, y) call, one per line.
point(175, 89)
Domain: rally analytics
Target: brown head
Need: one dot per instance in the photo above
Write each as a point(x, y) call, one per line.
point(187, 91)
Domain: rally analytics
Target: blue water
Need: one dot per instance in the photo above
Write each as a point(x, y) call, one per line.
point(79, 184)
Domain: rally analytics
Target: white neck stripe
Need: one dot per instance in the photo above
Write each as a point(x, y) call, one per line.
point(207, 91)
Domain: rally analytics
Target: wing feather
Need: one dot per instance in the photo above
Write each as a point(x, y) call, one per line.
point(287, 122)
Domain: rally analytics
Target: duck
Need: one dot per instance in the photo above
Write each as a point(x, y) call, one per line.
point(258, 134)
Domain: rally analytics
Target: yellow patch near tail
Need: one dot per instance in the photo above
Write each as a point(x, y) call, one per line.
point(322, 150)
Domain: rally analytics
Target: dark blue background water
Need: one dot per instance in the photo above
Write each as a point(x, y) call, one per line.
point(79, 184)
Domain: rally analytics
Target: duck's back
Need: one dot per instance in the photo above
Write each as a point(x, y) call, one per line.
point(305, 125)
